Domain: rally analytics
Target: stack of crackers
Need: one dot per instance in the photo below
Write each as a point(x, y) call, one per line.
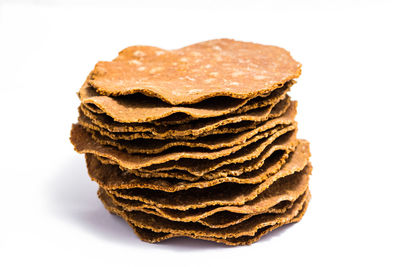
point(197, 142)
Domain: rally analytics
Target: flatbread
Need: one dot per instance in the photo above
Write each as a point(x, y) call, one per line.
point(197, 142)
point(218, 220)
point(285, 189)
point(207, 143)
point(192, 130)
point(191, 74)
point(211, 142)
point(249, 227)
point(138, 108)
point(229, 194)
point(225, 218)
point(154, 237)
point(107, 122)
point(286, 144)
point(198, 153)
point(112, 177)
point(252, 151)
point(196, 163)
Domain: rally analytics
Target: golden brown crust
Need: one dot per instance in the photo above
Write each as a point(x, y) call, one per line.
point(227, 194)
point(199, 128)
point(191, 74)
point(140, 109)
point(194, 162)
point(285, 189)
point(287, 144)
point(207, 143)
point(154, 237)
point(242, 233)
point(112, 177)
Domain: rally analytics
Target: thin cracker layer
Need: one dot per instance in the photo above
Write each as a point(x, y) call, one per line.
point(184, 160)
point(191, 74)
point(249, 227)
point(211, 142)
point(286, 143)
point(285, 189)
point(154, 237)
point(220, 125)
point(141, 109)
point(226, 194)
point(112, 177)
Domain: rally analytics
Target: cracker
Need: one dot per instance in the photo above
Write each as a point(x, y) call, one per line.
point(107, 122)
point(112, 177)
point(285, 189)
point(121, 179)
point(228, 194)
point(191, 74)
point(139, 108)
point(207, 143)
point(249, 227)
point(225, 218)
point(211, 142)
point(154, 237)
point(285, 145)
point(252, 151)
point(254, 103)
point(219, 220)
point(189, 161)
point(228, 129)
point(192, 130)
point(198, 153)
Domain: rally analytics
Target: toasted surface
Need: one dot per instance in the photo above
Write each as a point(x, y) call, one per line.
point(286, 144)
point(206, 143)
point(228, 194)
point(138, 108)
point(188, 75)
point(201, 167)
point(285, 189)
point(154, 237)
point(246, 228)
point(234, 123)
point(184, 160)
point(112, 177)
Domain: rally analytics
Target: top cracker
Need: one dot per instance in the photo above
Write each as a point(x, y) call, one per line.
point(221, 67)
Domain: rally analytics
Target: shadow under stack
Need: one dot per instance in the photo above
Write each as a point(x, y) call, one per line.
point(197, 142)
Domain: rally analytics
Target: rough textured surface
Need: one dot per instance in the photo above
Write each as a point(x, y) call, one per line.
point(218, 220)
point(223, 194)
point(112, 177)
point(286, 143)
point(219, 125)
point(207, 143)
point(192, 152)
point(287, 136)
point(189, 161)
point(139, 108)
point(109, 123)
point(154, 237)
point(212, 142)
point(285, 189)
point(250, 227)
point(188, 75)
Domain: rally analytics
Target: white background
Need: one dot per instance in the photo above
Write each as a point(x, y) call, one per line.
point(348, 97)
